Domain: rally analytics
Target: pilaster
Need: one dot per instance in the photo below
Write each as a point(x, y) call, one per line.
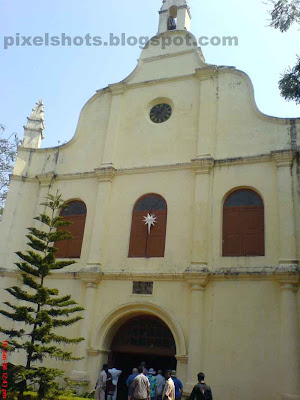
point(105, 176)
point(284, 161)
point(117, 91)
point(202, 168)
point(207, 110)
point(197, 283)
point(90, 282)
point(289, 337)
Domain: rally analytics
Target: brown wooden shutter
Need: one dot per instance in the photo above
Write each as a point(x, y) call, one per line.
point(72, 248)
point(141, 243)
point(243, 231)
point(62, 246)
point(77, 230)
point(138, 237)
point(232, 232)
point(253, 223)
point(156, 239)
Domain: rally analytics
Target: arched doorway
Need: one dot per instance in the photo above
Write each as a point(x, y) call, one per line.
point(143, 338)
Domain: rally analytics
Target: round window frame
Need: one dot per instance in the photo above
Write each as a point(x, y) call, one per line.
point(155, 102)
point(165, 118)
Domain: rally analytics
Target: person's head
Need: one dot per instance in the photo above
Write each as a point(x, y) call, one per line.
point(159, 372)
point(168, 373)
point(201, 376)
point(140, 369)
point(151, 371)
point(105, 366)
point(134, 370)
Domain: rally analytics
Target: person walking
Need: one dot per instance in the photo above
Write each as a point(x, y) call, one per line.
point(201, 391)
point(140, 389)
point(169, 389)
point(153, 383)
point(143, 364)
point(114, 374)
point(160, 384)
point(178, 385)
point(130, 380)
point(101, 383)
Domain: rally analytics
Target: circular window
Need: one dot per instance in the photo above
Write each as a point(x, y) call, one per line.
point(160, 113)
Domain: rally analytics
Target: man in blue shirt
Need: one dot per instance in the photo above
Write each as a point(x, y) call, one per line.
point(130, 380)
point(178, 386)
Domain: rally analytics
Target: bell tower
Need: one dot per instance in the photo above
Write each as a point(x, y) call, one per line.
point(174, 15)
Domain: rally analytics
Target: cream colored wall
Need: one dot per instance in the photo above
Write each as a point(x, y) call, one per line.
point(259, 177)
point(20, 208)
point(242, 325)
point(241, 329)
point(142, 142)
point(177, 189)
point(86, 147)
point(214, 113)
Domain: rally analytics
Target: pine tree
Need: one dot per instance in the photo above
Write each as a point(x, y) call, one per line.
point(39, 309)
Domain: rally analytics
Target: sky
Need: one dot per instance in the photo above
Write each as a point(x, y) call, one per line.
point(65, 77)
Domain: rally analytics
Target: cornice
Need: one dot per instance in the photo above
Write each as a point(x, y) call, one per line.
point(203, 165)
point(261, 158)
point(142, 277)
point(168, 55)
point(106, 173)
point(179, 7)
point(46, 179)
point(206, 72)
point(154, 168)
point(117, 88)
point(288, 278)
point(196, 280)
point(283, 158)
point(160, 81)
point(287, 275)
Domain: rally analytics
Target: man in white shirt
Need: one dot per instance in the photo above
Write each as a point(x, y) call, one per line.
point(140, 389)
point(169, 389)
point(101, 383)
point(115, 373)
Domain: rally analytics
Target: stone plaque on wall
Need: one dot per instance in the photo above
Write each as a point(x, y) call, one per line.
point(142, 288)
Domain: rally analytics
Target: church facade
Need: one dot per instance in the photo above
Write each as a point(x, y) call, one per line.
point(184, 199)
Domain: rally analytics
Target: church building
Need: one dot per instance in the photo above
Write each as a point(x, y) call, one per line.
point(184, 199)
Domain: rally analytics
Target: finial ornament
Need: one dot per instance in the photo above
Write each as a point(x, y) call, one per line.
point(33, 130)
point(38, 111)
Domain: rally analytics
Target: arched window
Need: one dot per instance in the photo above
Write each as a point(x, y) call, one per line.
point(243, 224)
point(148, 227)
point(75, 212)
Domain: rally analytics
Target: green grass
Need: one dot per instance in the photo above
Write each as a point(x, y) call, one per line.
point(33, 396)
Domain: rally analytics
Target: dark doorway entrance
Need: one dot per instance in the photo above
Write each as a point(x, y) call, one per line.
point(127, 361)
point(144, 338)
